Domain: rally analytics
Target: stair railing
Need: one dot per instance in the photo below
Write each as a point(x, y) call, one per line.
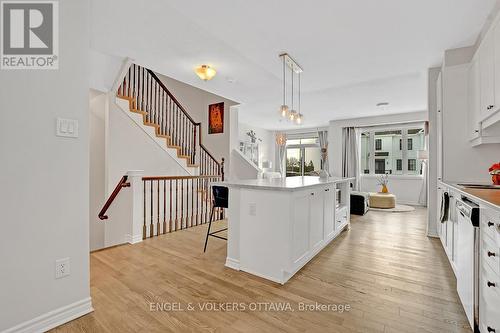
point(172, 203)
point(162, 110)
point(121, 184)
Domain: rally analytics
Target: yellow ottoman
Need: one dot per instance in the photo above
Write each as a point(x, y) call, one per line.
point(382, 200)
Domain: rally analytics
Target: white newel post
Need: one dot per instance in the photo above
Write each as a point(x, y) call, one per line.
point(137, 207)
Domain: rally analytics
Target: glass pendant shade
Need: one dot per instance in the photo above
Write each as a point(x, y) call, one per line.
point(298, 119)
point(293, 115)
point(281, 139)
point(284, 111)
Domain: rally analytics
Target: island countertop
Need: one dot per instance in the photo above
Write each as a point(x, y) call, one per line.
point(282, 184)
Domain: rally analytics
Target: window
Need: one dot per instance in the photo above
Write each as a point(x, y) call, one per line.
point(391, 151)
point(412, 165)
point(399, 164)
point(303, 157)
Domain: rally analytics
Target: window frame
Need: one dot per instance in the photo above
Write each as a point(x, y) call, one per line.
point(302, 147)
point(405, 142)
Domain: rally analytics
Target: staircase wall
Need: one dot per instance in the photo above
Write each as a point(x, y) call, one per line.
point(196, 102)
point(128, 147)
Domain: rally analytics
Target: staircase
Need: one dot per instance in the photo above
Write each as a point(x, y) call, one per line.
point(148, 96)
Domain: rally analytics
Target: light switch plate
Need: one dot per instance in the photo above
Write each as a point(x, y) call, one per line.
point(67, 128)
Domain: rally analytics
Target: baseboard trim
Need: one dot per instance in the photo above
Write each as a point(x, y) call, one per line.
point(54, 318)
point(232, 263)
point(133, 239)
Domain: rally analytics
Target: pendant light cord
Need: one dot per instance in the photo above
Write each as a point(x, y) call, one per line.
point(291, 71)
point(299, 93)
point(284, 82)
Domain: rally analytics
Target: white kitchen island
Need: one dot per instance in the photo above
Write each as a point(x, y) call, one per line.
point(275, 226)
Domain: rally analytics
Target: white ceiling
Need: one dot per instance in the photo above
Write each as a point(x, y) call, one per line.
point(355, 53)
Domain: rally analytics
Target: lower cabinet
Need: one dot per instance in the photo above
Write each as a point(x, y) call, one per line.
point(316, 221)
point(329, 212)
point(489, 275)
point(316, 204)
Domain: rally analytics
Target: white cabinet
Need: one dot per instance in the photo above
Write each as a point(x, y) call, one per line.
point(487, 74)
point(329, 212)
point(300, 225)
point(489, 277)
point(448, 230)
point(474, 100)
point(483, 118)
point(316, 221)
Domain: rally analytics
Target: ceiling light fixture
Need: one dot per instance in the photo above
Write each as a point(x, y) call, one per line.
point(290, 113)
point(205, 72)
point(382, 105)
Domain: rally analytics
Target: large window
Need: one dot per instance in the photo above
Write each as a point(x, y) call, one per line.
point(303, 157)
point(391, 151)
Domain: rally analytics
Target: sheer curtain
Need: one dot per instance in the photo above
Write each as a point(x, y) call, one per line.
point(323, 144)
point(350, 155)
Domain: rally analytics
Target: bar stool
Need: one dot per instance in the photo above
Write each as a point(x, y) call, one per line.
point(221, 198)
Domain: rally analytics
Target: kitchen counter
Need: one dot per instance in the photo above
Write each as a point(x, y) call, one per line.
point(283, 184)
point(489, 197)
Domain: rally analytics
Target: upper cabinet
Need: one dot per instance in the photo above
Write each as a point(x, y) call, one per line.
point(486, 54)
point(474, 100)
point(484, 90)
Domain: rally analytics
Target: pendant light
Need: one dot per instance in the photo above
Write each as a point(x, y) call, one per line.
point(293, 113)
point(298, 118)
point(284, 107)
point(287, 112)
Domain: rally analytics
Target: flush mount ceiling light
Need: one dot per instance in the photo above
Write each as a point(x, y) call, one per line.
point(290, 114)
point(205, 72)
point(382, 105)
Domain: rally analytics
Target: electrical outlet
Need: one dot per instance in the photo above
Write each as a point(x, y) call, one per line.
point(62, 268)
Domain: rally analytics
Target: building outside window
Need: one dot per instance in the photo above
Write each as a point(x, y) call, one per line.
point(412, 165)
point(391, 151)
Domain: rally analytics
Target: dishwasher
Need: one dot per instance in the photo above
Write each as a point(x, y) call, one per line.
point(468, 259)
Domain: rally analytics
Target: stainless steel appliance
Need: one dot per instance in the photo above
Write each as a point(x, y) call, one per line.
point(468, 259)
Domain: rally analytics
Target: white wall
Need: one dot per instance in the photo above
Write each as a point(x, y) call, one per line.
point(266, 146)
point(398, 185)
point(97, 168)
point(44, 197)
point(433, 151)
point(196, 102)
point(407, 189)
point(128, 147)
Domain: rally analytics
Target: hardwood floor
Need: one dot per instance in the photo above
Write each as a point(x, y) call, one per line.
point(393, 277)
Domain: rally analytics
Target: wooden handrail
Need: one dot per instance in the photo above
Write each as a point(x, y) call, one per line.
point(122, 183)
point(179, 177)
point(208, 153)
point(148, 95)
point(157, 79)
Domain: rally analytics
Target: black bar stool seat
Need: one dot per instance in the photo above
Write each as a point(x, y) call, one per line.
point(220, 200)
